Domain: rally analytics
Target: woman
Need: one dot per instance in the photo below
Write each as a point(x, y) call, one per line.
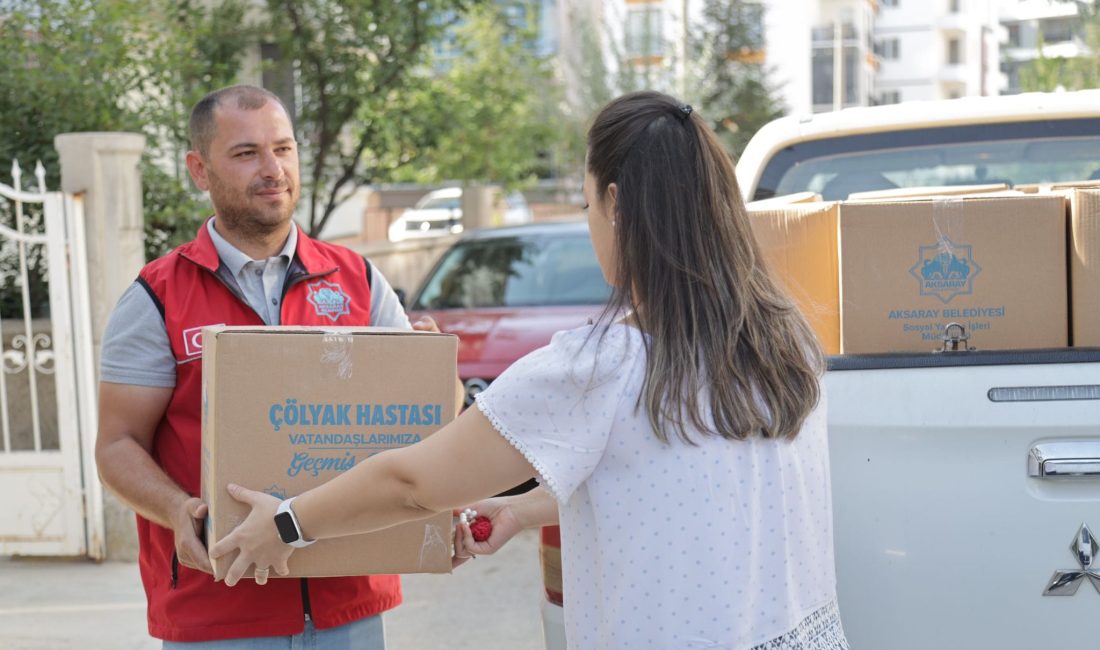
point(681, 440)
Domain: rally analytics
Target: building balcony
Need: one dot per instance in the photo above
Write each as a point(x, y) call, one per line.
point(953, 23)
point(1065, 50)
point(953, 73)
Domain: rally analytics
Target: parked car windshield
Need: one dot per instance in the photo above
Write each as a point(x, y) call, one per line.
point(1013, 153)
point(441, 203)
point(516, 272)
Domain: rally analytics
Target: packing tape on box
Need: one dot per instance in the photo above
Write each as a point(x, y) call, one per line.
point(433, 542)
point(336, 352)
point(947, 221)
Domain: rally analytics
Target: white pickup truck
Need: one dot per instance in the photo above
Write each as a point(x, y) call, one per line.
point(966, 485)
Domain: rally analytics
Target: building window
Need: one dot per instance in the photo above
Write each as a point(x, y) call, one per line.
point(954, 6)
point(889, 97)
point(888, 49)
point(1013, 35)
point(954, 51)
point(644, 37)
point(1057, 30)
point(889, 3)
point(823, 76)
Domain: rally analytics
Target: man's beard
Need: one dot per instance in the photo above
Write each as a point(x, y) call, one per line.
point(236, 213)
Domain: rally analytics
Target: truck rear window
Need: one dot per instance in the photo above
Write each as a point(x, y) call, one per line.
point(1012, 153)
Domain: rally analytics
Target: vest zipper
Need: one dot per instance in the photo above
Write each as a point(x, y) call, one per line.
point(236, 291)
point(302, 278)
point(306, 608)
point(175, 569)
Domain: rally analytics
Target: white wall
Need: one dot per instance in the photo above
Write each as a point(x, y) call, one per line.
point(787, 25)
point(923, 29)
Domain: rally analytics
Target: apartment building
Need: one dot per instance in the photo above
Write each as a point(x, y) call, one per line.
point(649, 42)
point(825, 54)
point(935, 49)
point(842, 58)
point(1030, 25)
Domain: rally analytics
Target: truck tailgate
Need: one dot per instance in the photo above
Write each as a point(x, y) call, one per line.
point(942, 538)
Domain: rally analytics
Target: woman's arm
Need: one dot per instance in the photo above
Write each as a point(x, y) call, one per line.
point(463, 462)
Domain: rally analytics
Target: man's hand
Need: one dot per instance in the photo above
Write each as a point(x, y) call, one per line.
point(187, 524)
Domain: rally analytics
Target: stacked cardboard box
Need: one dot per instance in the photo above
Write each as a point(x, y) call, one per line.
point(799, 245)
point(288, 408)
point(1084, 267)
point(994, 265)
point(904, 267)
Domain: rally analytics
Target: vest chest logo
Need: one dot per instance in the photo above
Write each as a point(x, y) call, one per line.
point(328, 299)
point(192, 340)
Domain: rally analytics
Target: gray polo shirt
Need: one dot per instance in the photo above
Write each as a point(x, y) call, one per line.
point(135, 344)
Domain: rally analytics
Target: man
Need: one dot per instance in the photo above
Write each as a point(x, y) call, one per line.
point(248, 265)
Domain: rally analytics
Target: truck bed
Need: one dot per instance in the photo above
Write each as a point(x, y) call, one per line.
point(943, 538)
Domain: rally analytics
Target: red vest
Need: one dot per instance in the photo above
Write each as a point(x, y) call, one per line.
point(185, 604)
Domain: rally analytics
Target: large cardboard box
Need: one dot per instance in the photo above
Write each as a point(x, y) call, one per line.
point(1036, 188)
point(288, 408)
point(909, 193)
point(1084, 267)
point(799, 242)
point(995, 265)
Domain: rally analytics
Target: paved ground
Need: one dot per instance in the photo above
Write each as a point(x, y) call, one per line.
point(488, 604)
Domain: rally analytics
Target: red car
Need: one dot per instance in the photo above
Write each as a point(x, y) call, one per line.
point(506, 291)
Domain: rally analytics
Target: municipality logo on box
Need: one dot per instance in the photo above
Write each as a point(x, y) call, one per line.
point(945, 270)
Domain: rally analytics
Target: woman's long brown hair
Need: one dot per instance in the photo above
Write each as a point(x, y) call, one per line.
point(728, 353)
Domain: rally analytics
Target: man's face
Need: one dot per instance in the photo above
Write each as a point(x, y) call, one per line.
point(250, 168)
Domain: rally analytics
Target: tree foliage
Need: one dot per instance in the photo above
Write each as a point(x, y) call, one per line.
point(498, 99)
point(117, 65)
point(108, 65)
point(730, 82)
point(360, 68)
point(1049, 74)
point(370, 102)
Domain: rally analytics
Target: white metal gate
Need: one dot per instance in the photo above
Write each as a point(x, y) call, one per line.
point(50, 498)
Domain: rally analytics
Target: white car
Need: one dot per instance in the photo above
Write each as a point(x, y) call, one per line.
point(439, 213)
point(959, 479)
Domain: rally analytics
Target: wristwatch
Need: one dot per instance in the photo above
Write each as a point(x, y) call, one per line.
point(289, 530)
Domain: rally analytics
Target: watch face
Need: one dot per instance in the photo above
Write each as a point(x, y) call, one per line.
point(288, 532)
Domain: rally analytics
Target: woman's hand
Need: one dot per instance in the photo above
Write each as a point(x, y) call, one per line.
point(256, 539)
point(505, 527)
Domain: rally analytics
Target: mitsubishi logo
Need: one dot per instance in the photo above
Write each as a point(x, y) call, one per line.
point(1065, 583)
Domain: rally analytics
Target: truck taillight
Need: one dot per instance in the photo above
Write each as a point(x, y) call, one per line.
point(550, 556)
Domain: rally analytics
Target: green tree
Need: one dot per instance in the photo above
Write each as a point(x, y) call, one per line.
point(731, 84)
point(1048, 74)
point(203, 50)
point(108, 65)
point(498, 100)
point(116, 65)
point(361, 71)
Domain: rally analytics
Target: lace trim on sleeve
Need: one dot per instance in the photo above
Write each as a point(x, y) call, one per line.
point(545, 478)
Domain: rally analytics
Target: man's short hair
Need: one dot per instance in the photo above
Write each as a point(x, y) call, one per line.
point(247, 98)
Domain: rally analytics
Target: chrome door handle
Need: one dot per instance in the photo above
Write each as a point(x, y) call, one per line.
point(1064, 459)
